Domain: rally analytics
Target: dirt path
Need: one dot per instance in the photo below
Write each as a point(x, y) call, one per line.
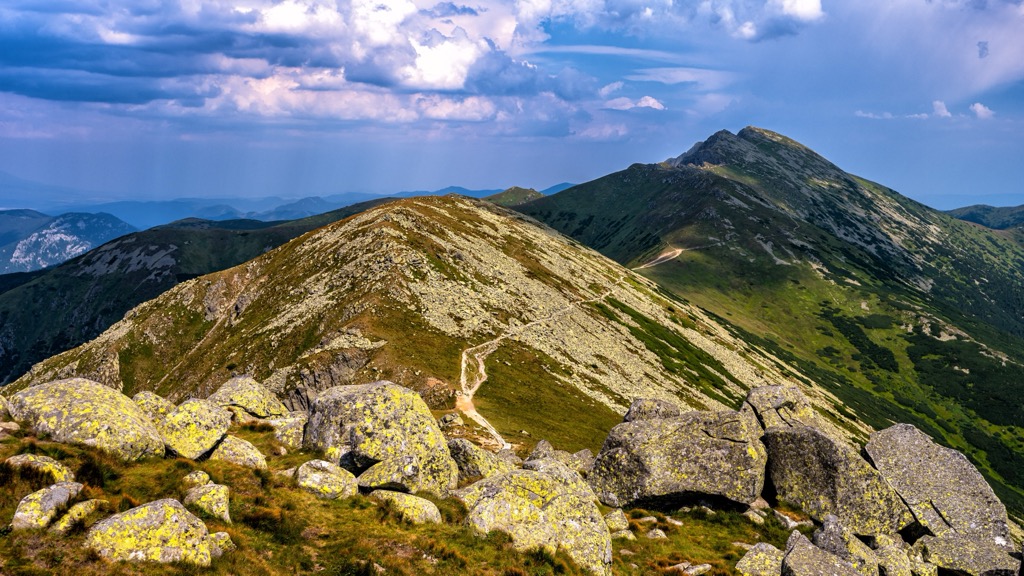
point(671, 254)
point(474, 372)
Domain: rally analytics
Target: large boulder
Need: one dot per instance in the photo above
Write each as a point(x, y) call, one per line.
point(475, 462)
point(944, 490)
point(289, 430)
point(5, 411)
point(697, 453)
point(412, 509)
point(840, 542)
point(780, 406)
point(326, 480)
point(650, 409)
point(403, 474)
point(805, 559)
point(564, 475)
point(211, 499)
point(81, 411)
point(43, 465)
point(239, 452)
point(76, 515)
point(153, 405)
point(249, 395)
point(161, 531)
point(39, 508)
point(359, 426)
point(761, 560)
point(968, 556)
point(824, 476)
point(539, 511)
point(194, 428)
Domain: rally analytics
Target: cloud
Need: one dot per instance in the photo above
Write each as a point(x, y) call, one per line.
point(703, 78)
point(608, 89)
point(981, 111)
point(940, 110)
point(624, 103)
point(982, 49)
point(873, 115)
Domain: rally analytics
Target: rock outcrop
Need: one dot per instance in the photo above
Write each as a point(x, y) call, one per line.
point(761, 560)
point(211, 499)
point(781, 406)
point(805, 559)
point(412, 509)
point(475, 462)
point(75, 515)
point(194, 428)
point(153, 405)
point(39, 508)
point(80, 411)
point(289, 429)
point(697, 453)
point(360, 426)
point(249, 395)
point(43, 465)
point(161, 531)
point(650, 409)
point(961, 554)
point(326, 480)
point(240, 452)
point(538, 511)
point(824, 476)
point(944, 490)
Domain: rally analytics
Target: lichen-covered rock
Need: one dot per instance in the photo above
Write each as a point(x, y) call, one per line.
point(5, 412)
point(824, 476)
point(411, 508)
point(944, 490)
point(39, 508)
point(240, 452)
point(195, 478)
point(475, 462)
point(616, 520)
point(714, 453)
point(289, 430)
point(967, 555)
point(781, 406)
point(542, 449)
point(538, 511)
point(220, 544)
point(403, 474)
point(893, 560)
point(153, 405)
point(194, 428)
point(840, 542)
point(359, 426)
point(211, 499)
point(450, 420)
point(161, 531)
point(567, 477)
point(805, 559)
point(44, 465)
point(249, 395)
point(81, 411)
point(326, 480)
point(623, 535)
point(75, 515)
point(582, 461)
point(761, 560)
point(651, 409)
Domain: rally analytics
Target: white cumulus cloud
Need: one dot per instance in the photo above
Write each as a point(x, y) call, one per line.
point(981, 111)
point(940, 110)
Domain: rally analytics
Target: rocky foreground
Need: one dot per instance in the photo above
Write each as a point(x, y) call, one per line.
point(900, 506)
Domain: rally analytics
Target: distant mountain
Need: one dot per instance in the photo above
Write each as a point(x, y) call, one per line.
point(32, 240)
point(991, 217)
point(514, 196)
point(904, 312)
point(47, 312)
point(556, 188)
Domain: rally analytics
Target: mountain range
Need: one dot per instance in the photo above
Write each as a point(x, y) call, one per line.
point(31, 240)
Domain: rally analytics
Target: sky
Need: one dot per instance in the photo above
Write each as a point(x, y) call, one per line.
point(154, 99)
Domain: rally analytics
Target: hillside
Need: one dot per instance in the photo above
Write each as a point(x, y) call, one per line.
point(904, 312)
point(439, 294)
point(991, 217)
point(45, 313)
point(30, 240)
point(514, 196)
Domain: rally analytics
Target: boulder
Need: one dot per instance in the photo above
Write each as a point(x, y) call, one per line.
point(616, 520)
point(967, 555)
point(289, 430)
point(538, 511)
point(542, 449)
point(840, 542)
point(75, 515)
point(824, 476)
point(161, 531)
point(326, 480)
point(81, 411)
point(893, 560)
point(651, 409)
point(240, 452)
point(697, 453)
point(43, 465)
point(195, 478)
point(412, 509)
point(249, 395)
point(781, 406)
point(805, 559)
point(5, 412)
point(582, 461)
point(220, 543)
point(153, 405)
point(761, 560)
point(623, 535)
point(359, 426)
point(211, 499)
point(944, 490)
point(39, 508)
point(194, 428)
point(403, 474)
point(567, 477)
point(450, 420)
point(475, 462)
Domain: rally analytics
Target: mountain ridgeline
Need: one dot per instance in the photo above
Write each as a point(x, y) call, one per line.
point(31, 240)
point(904, 312)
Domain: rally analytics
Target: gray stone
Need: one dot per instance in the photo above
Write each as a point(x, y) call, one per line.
point(194, 428)
point(824, 476)
point(161, 531)
point(697, 453)
point(837, 540)
point(944, 490)
point(967, 555)
point(475, 462)
point(220, 543)
point(195, 478)
point(240, 453)
point(450, 420)
point(805, 559)
point(359, 426)
point(761, 560)
point(893, 560)
point(543, 449)
point(781, 406)
point(75, 515)
point(42, 464)
point(655, 534)
point(404, 474)
point(326, 480)
point(563, 475)
point(211, 499)
point(412, 509)
point(39, 508)
point(249, 395)
point(153, 405)
point(289, 430)
point(616, 520)
point(650, 409)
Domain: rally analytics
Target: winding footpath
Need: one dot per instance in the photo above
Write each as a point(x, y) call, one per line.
point(474, 371)
point(672, 254)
